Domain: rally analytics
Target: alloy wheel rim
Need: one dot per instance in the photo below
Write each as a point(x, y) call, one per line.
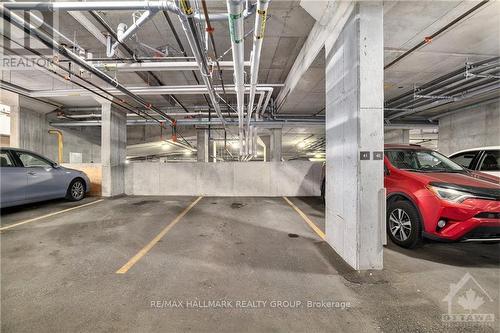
point(400, 224)
point(77, 190)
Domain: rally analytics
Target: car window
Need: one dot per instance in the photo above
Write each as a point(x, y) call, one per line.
point(421, 161)
point(30, 160)
point(5, 160)
point(491, 161)
point(464, 159)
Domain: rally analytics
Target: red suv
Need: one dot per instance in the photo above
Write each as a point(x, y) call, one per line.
point(430, 196)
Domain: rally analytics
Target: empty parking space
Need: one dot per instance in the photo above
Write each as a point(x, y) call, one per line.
point(256, 254)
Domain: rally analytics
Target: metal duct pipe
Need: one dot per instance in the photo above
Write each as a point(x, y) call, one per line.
point(198, 122)
point(59, 144)
point(190, 31)
point(235, 9)
point(123, 33)
point(53, 44)
point(258, 38)
point(468, 94)
point(97, 5)
point(151, 90)
point(441, 81)
point(112, 65)
point(113, 5)
point(224, 16)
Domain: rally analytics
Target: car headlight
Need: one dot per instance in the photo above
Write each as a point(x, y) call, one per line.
point(449, 194)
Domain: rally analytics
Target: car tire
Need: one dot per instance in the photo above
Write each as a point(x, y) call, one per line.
point(403, 224)
point(76, 190)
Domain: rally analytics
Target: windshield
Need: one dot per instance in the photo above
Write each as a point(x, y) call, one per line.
point(421, 160)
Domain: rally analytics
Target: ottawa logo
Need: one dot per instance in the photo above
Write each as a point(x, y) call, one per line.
point(465, 300)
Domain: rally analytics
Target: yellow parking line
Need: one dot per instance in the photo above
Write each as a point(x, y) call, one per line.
point(49, 215)
point(155, 240)
point(307, 219)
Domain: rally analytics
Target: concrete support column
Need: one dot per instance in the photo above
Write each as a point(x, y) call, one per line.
point(276, 146)
point(12, 100)
point(355, 197)
point(266, 139)
point(113, 150)
point(202, 145)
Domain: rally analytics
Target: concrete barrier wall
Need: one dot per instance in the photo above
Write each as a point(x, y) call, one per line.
point(293, 178)
point(93, 171)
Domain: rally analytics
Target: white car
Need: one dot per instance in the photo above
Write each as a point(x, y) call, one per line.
point(484, 159)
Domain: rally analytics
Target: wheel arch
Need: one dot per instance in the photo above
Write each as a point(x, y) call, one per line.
point(78, 178)
point(400, 196)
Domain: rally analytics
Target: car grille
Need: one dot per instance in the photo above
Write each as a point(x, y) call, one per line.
point(488, 215)
point(483, 233)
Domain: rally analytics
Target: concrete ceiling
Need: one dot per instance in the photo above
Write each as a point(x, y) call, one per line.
point(406, 23)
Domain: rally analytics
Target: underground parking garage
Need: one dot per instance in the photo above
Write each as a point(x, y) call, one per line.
point(257, 166)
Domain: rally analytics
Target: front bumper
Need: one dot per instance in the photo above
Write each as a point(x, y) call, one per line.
point(473, 219)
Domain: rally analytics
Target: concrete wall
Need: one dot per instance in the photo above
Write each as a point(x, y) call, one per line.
point(470, 128)
point(93, 171)
point(397, 136)
point(31, 132)
point(293, 178)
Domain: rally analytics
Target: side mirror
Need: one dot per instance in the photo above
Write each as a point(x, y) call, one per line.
point(56, 165)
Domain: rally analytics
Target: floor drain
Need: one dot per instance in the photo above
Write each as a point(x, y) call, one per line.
point(236, 205)
point(293, 235)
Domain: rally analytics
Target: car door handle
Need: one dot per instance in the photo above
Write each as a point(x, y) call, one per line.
point(31, 173)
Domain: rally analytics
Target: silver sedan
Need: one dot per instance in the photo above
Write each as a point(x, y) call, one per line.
point(27, 177)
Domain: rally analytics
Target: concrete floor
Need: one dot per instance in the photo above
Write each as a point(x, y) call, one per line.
point(58, 273)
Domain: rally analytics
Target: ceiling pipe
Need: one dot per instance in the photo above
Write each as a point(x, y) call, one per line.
point(428, 39)
point(111, 65)
point(236, 10)
point(97, 5)
point(123, 33)
point(115, 5)
point(44, 25)
point(258, 38)
point(444, 80)
point(263, 124)
point(172, 99)
point(53, 44)
point(153, 90)
point(468, 94)
point(198, 122)
point(190, 31)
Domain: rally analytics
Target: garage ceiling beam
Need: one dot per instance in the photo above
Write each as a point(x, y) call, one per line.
point(330, 24)
point(156, 90)
point(159, 66)
point(262, 124)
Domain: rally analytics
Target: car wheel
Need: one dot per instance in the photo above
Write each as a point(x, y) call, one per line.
point(76, 190)
point(403, 224)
